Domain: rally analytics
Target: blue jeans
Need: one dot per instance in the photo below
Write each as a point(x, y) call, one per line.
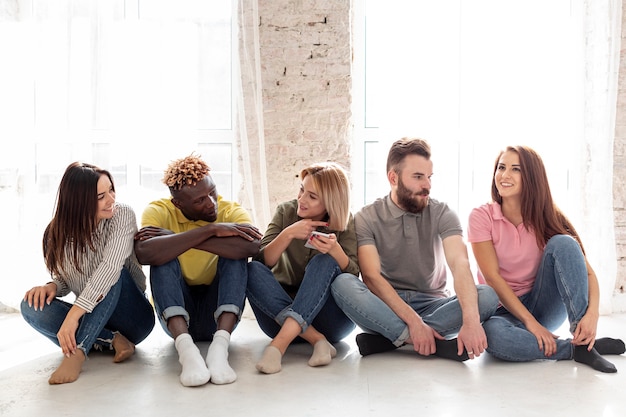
point(312, 304)
point(373, 315)
point(200, 305)
point(124, 310)
point(560, 291)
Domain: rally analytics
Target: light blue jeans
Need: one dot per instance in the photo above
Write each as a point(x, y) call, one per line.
point(312, 304)
point(199, 305)
point(560, 291)
point(373, 315)
point(125, 310)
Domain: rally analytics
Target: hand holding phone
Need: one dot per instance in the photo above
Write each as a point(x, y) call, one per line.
point(312, 236)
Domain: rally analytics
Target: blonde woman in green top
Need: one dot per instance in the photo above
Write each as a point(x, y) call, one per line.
point(289, 281)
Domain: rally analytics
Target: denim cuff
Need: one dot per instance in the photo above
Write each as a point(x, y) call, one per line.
point(175, 311)
point(288, 312)
point(402, 338)
point(227, 308)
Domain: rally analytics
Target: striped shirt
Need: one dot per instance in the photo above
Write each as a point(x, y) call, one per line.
point(101, 268)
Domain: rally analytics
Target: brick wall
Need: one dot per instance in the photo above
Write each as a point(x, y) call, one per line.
point(305, 68)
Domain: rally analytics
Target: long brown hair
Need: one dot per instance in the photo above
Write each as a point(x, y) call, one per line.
point(539, 212)
point(74, 222)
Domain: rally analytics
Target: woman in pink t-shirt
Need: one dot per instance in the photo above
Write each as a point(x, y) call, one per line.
point(529, 252)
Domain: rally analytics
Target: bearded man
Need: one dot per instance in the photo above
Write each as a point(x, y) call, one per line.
point(405, 242)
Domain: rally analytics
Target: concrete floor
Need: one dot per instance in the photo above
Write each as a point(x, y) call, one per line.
point(394, 383)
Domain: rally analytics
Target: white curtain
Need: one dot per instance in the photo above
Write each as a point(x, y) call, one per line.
point(602, 36)
point(125, 84)
point(249, 116)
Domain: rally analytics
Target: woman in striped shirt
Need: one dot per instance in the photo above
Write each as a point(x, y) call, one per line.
point(88, 249)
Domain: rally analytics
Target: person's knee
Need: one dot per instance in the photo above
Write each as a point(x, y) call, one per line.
point(343, 283)
point(255, 267)
point(230, 265)
point(26, 310)
point(562, 242)
point(488, 300)
point(323, 261)
point(169, 268)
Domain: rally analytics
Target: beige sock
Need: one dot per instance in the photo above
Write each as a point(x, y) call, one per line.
point(270, 363)
point(123, 348)
point(323, 353)
point(69, 369)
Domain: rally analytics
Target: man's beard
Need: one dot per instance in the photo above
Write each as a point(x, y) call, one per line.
point(408, 200)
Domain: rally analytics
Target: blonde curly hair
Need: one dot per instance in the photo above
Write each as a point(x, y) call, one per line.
point(185, 171)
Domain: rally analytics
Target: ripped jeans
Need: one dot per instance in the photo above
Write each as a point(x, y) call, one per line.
point(311, 305)
point(125, 310)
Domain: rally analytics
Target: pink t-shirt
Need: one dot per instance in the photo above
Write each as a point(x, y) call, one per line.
point(516, 247)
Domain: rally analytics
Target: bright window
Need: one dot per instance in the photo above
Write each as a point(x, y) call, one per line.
point(129, 85)
point(471, 78)
point(125, 84)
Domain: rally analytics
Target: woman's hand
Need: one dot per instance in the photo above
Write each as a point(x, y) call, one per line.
point(585, 333)
point(67, 336)
point(38, 297)
point(545, 339)
point(67, 333)
point(324, 244)
point(302, 229)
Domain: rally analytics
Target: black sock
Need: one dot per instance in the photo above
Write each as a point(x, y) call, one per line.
point(608, 346)
point(593, 359)
point(448, 349)
point(370, 343)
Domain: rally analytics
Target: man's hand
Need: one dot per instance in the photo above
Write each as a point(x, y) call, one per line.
point(148, 232)
point(423, 337)
point(472, 338)
point(246, 231)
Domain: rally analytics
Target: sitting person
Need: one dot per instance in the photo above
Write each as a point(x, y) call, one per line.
point(88, 249)
point(530, 253)
point(404, 242)
point(197, 246)
point(289, 285)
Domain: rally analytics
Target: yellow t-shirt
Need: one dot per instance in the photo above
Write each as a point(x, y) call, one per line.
point(198, 266)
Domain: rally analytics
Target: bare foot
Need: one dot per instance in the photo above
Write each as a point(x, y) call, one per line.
point(124, 349)
point(69, 369)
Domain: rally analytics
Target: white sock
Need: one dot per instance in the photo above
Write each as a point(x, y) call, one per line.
point(217, 359)
point(194, 371)
point(323, 353)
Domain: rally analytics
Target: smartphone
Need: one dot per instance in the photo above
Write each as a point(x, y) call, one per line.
point(313, 233)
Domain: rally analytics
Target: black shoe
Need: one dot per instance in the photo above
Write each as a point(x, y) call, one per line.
point(593, 359)
point(370, 343)
point(448, 349)
point(608, 346)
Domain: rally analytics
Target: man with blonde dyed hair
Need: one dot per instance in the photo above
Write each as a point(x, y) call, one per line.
point(197, 246)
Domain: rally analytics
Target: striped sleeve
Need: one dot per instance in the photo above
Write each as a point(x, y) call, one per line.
point(112, 252)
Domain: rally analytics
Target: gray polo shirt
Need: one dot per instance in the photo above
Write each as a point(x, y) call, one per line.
point(409, 245)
